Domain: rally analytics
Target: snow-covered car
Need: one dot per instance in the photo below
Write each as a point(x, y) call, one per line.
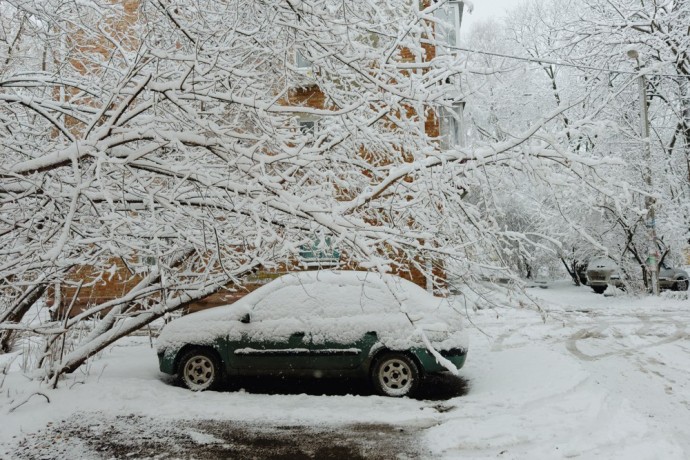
point(319, 324)
point(601, 272)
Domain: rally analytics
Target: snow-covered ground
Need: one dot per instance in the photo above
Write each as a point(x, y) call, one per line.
point(600, 377)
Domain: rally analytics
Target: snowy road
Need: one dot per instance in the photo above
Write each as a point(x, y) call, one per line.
point(601, 377)
point(608, 377)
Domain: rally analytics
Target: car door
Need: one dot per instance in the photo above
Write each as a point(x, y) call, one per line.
point(329, 353)
point(665, 276)
point(271, 339)
point(271, 346)
point(341, 331)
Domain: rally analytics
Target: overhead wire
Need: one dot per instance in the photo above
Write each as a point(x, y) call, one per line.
point(561, 63)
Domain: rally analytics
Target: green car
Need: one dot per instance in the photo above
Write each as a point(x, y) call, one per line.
point(319, 324)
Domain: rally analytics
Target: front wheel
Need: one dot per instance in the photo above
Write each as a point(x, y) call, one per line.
point(681, 285)
point(199, 370)
point(395, 374)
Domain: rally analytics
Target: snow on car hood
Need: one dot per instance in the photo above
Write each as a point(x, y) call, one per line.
point(334, 306)
point(602, 264)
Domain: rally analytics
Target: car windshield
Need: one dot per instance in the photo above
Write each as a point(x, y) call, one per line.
point(337, 294)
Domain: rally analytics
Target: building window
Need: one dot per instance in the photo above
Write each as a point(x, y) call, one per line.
point(448, 28)
point(301, 62)
point(144, 263)
point(307, 127)
point(322, 252)
point(451, 126)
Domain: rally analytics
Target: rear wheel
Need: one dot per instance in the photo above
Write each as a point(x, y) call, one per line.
point(395, 374)
point(599, 289)
point(681, 285)
point(199, 370)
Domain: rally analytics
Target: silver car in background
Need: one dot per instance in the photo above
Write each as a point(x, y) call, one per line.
point(672, 278)
point(602, 272)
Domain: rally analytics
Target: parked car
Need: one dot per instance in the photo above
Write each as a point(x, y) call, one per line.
point(672, 278)
point(601, 272)
point(319, 323)
point(604, 272)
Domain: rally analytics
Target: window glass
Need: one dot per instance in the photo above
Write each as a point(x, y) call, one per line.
point(302, 62)
point(144, 263)
point(451, 126)
point(320, 253)
point(323, 300)
point(297, 301)
point(307, 127)
point(448, 27)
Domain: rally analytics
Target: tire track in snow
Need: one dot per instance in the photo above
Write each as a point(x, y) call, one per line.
point(643, 332)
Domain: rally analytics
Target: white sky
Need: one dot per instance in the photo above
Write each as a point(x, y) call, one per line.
point(484, 9)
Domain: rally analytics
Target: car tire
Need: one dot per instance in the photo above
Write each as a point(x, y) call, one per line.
point(395, 374)
point(681, 285)
point(199, 369)
point(599, 289)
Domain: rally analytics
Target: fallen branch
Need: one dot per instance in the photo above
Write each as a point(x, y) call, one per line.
point(26, 400)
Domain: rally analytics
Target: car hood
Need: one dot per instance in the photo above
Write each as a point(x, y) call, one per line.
point(673, 273)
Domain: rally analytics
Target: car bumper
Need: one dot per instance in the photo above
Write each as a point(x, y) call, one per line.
point(666, 283)
point(601, 280)
point(166, 361)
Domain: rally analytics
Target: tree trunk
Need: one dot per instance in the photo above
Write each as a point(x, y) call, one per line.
point(17, 311)
point(572, 271)
point(112, 329)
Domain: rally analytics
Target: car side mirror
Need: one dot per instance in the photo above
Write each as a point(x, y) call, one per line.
point(245, 319)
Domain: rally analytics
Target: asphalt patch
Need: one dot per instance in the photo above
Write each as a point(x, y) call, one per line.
point(97, 436)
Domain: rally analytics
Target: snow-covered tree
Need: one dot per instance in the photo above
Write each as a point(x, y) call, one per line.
point(574, 54)
point(174, 133)
point(190, 144)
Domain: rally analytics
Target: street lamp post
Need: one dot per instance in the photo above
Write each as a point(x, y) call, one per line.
point(652, 254)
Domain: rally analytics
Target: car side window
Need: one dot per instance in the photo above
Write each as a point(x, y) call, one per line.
point(289, 302)
point(321, 301)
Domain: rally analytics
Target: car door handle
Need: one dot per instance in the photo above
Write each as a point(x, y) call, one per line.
point(298, 337)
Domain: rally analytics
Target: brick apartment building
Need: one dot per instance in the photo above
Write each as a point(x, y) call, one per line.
point(126, 274)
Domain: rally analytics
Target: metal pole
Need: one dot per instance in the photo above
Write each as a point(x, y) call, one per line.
point(652, 254)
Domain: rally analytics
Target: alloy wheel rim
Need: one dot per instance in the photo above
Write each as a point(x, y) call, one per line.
point(199, 372)
point(395, 377)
